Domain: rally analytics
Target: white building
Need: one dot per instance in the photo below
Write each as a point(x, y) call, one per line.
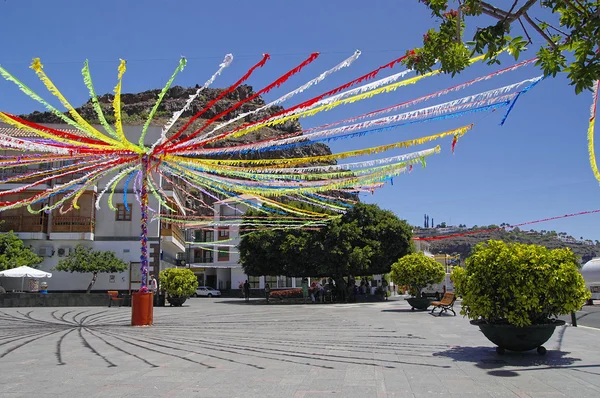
point(219, 266)
point(53, 235)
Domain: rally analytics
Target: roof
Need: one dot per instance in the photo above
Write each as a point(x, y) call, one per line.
point(132, 132)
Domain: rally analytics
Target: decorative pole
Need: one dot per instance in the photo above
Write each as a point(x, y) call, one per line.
point(142, 309)
point(144, 224)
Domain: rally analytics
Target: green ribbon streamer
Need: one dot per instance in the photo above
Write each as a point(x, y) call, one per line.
point(30, 93)
point(87, 79)
point(182, 63)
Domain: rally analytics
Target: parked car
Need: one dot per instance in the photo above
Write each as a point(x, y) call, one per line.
point(206, 291)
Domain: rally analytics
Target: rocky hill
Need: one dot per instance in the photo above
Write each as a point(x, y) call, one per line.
point(462, 245)
point(136, 107)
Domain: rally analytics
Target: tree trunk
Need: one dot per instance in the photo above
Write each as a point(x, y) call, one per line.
point(89, 289)
point(341, 287)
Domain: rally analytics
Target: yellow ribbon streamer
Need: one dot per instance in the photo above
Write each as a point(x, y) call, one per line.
point(342, 155)
point(37, 66)
point(590, 132)
point(349, 100)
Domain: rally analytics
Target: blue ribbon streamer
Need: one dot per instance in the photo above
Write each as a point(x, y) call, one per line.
point(125, 188)
point(512, 105)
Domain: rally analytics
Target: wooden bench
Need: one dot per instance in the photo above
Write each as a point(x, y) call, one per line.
point(445, 305)
point(113, 295)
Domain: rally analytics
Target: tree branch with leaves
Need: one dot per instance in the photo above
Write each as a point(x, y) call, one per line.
point(84, 259)
point(572, 47)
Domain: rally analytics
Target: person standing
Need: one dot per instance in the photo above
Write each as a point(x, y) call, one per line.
point(247, 290)
point(153, 284)
point(384, 287)
point(267, 291)
point(304, 289)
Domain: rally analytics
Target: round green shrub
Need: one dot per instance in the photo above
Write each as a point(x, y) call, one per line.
point(417, 271)
point(178, 282)
point(519, 284)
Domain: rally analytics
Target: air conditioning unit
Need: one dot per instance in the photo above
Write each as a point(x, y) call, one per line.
point(46, 251)
point(180, 256)
point(64, 251)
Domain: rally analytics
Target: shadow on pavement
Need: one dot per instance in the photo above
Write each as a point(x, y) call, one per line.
point(486, 358)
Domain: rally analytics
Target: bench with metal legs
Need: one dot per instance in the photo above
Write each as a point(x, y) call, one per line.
point(445, 304)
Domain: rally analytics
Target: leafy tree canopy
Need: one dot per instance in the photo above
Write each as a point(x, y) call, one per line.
point(14, 253)
point(519, 284)
point(178, 282)
point(417, 271)
point(364, 241)
point(577, 32)
point(84, 259)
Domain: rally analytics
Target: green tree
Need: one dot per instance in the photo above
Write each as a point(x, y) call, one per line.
point(14, 253)
point(178, 282)
point(577, 33)
point(417, 271)
point(519, 284)
point(364, 241)
point(84, 259)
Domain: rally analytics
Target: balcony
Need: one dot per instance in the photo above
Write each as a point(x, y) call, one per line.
point(18, 171)
point(74, 176)
point(173, 236)
point(25, 226)
point(72, 228)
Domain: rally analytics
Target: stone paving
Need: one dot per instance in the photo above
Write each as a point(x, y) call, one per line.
point(225, 348)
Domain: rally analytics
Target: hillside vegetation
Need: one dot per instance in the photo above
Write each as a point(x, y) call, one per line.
point(585, 249)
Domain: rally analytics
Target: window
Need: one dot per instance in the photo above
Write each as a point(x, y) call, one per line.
point(203, 256)
point(203, 236)
point(123, 214)
point(254, 282)
point(223, 253)
point(271, 280)
point(223, 234)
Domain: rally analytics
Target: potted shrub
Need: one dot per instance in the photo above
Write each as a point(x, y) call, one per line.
point(179, 284)
point(417, 271)
point(514, 292)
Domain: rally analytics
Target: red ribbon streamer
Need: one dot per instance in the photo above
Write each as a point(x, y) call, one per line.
point(58, 133)
point(265, 90)
point(481, 231)
point(307, 103)
point(231, 88)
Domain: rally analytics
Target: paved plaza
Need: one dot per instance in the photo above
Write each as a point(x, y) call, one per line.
point(225, 348)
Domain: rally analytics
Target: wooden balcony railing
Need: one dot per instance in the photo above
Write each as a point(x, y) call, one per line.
point(69, 178)
point(21, 223)
point(171, 230)
point(203, 260)
point(73, 224)
point(18, 171)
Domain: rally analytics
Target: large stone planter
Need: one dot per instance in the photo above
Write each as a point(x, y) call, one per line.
point(518, 338)
point(176, 301)
point(419, 303)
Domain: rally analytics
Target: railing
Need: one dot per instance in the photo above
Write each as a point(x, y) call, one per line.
point(73, 224)
point(24, 223)
point(70, 177)
point(171, 230)
point(18, 171)
point(203, 260)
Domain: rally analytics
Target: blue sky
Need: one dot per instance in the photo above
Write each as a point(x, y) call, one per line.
point(535, 166)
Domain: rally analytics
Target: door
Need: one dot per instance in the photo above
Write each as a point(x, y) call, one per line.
point(211, 280)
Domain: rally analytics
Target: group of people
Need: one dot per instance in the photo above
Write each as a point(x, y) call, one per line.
point(326, 290)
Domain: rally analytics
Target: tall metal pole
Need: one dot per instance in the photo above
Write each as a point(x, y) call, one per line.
point(144, 224)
